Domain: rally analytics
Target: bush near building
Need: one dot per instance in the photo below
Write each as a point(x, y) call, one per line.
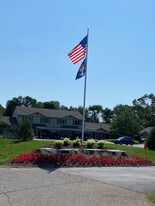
point(150, 140)
point(25, 131)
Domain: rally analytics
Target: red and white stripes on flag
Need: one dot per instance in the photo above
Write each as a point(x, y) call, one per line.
point(79, 51)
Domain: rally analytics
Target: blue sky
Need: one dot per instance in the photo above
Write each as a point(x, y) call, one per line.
point(36, 36)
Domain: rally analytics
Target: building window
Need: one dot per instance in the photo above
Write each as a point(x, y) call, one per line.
point(45, 120)
point(27, 118)
point(76, 122)
point(61, 121)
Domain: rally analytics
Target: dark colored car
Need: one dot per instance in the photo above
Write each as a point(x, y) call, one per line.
point(124, 140)
point(142, 139)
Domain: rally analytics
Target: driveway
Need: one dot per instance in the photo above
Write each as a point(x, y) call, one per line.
point(75, 186)
point(139, 179)
point(135, 145)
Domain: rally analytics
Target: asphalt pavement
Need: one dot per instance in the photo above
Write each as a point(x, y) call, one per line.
point(139, 179)
point(141, 145)
point(108, 186)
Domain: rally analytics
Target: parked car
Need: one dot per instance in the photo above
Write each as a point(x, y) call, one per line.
point(124, 140)
point(142, 139)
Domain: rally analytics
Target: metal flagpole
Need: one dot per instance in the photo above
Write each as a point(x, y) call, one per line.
point(84, 98)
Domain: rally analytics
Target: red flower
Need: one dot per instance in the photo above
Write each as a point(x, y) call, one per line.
point(79, 160)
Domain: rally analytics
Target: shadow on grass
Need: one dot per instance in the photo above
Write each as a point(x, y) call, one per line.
point(17, 141)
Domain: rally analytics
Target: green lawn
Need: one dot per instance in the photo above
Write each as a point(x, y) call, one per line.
point(10, 148)
point(134, 150)
point(151, 197)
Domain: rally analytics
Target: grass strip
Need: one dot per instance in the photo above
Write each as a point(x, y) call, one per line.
point(10, 148)
point(151, 197)
point(134, 151)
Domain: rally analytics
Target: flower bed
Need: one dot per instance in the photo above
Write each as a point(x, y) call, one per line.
point(71, 160)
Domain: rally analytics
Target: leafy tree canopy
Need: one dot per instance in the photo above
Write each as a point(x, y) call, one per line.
point(51, 105)
point(95, 112)
point(1, 110)
point(107, 115)
point(145, 108)
point(125, 121)
point(19, 101)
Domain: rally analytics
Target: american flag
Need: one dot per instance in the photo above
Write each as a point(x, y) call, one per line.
point(79, 51)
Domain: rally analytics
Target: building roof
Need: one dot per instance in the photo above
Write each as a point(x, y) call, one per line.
point(26, 111)
point(8, 120)
point(97, 126)
point(146, 130)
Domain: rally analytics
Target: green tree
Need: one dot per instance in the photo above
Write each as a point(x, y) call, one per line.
point(150, 140)
point(40, 105)
point(28, 102)
point(1, 110)
point(25, 131)
point(145, 108)
point(52, 105)
point(80, 109)
point(125, 121)
point(63, 107)
point(18, 101)
point(107, 115)
point(11, 105)
point(95, 112)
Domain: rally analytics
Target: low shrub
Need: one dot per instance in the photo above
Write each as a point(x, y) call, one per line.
point(58, 144)
point(77, 142)
point(66, 141)
point(90, 143)
point(100, 144)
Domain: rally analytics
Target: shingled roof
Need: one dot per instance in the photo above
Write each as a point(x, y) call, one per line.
point(8, 120)
point(26, 111)
point(97, 126)
point(146, 130)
